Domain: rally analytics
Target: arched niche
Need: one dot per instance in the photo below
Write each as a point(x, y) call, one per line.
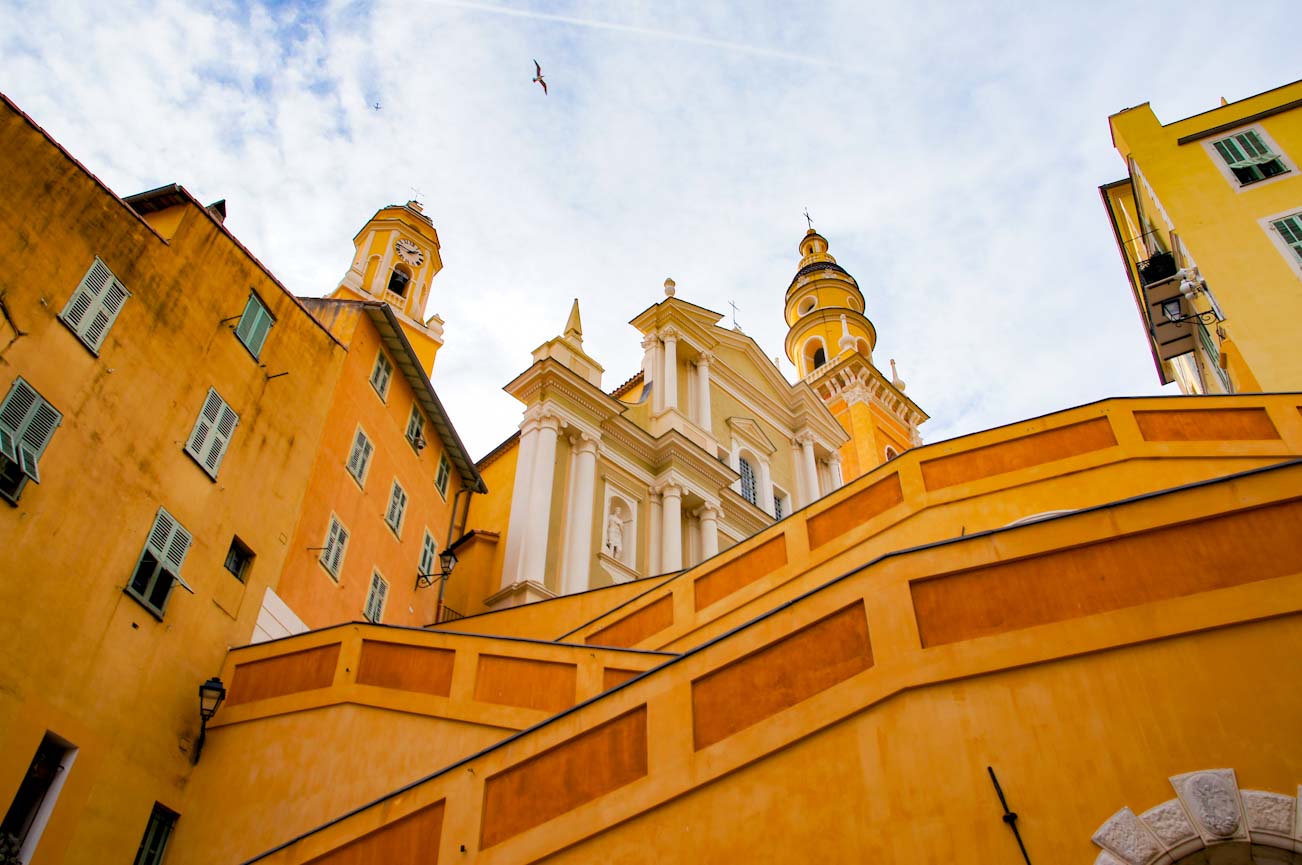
point(619, 527)
point(400, 280)
point(814, 354)
point(806, 305)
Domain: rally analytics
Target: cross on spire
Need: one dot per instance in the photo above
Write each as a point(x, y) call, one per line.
point(416, 193)
point(734, 312)
point(809, 220)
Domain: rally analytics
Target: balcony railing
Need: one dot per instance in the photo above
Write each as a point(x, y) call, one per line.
point(1159, 267)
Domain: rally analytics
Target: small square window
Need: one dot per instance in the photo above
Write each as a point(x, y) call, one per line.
point(153, 845)
point(238, 559)
point(360, 456)
point(374, 609)
point(254, 324)
point(1249, 156)
point(441, 478)
point(381, 373)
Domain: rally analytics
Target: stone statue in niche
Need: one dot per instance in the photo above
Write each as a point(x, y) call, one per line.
point(615, 532)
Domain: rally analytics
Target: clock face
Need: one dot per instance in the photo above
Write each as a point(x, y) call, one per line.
point(409, 252)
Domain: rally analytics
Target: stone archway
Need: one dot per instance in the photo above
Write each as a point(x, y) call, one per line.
point(1211, 821)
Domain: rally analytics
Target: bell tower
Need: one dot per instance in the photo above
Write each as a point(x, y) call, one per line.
point(396, 259)
point(831, 341)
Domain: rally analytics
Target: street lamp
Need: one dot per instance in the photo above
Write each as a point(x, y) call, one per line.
point(211, 694)
point(447, 561)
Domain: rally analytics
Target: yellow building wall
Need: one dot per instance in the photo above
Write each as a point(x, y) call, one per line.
point(477, 576)
point(1221, 223)
point(307, 587)
point(79, 657)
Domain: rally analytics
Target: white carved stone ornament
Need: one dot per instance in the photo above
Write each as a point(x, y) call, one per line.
point(615, 532)
point(1209, 812)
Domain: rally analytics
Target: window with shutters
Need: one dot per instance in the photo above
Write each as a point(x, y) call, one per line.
point(442, 476)
point(95, 305)
point(1212, 357)
point(1250, 156)
point(381, 373)
point(374, 608)
point(1290, 230)
point(747, 472)
point(416, 429)
point(397, 507)
point(27, 423)
point(212, 433)
point(254, 324)
point(153, 845)
point(332, 554)
point(429, 552)
point(160, 563)
point(359, 458)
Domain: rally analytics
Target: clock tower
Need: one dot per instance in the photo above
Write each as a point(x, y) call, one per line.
point(396, 259)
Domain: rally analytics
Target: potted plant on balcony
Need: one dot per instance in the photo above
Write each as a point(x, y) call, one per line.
point(1157, 268)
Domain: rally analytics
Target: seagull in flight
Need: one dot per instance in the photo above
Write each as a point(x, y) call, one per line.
point(538, 77)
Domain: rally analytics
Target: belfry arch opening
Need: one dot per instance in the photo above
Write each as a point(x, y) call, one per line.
point(400, 280)
point(815, 354)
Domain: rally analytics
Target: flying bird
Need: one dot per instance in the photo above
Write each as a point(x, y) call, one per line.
point(539, 78)
point(376, 106)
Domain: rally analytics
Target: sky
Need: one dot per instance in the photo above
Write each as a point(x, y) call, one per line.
point(950, 152)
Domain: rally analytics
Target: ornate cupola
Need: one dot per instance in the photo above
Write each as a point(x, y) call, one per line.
point(831, 342)
point(824, 310)
point(396, 259)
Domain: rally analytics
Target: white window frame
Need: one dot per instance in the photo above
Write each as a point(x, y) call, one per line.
point(27, 424)
point(251, 329)
point(781, 504)
point(746, 471)
point(396, 513)
point(95, 305)
point(1209, 146)
point(167, 544)
point(376, 595)
point(212, 433)
point(336, 546)
point(429, 554)
point(359, 456)
point(382, 375)
point(416, 429)
point(1292, 256)
point(443, 476)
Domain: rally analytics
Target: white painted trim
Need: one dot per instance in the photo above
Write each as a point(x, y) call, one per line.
point(1277, 240)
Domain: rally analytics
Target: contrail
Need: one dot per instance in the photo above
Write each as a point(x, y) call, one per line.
point(646, 31)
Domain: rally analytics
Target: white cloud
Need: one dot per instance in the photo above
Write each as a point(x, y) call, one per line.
point(951, 154)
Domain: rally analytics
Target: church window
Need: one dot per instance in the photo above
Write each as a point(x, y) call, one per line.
point(95, 305)
point(374, 608)
point(890, 453)
point(397, 507)
point(820, 357)
point(381, 373)
point(441, 478)
point(815, 354)
point(1290, 228)
point(154, 843)
point(747, 472)
point(807, 305)
point(254, 324)
point(212, 433)
point(399, 279)
point(1249, 157)
point(780, 506)
point(160, 563)
point(27, 423)
point(360, 457)
point(332, 554)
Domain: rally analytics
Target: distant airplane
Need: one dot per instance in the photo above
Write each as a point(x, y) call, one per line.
point(539, 78)
point(376, 106)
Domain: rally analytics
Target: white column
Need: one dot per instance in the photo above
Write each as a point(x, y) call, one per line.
point(709, 532)
point(651, 368)
point(765, 487)
point(516, 524)
point(578, 548)
point(671, 368)
point(533, 556)
point(703, 390)
point(671, 528)
point(834, 462)
point(809, 468)
point(654, 521)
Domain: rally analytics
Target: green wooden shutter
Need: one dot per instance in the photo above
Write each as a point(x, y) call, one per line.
point(428, 552)
point(1290, 228)
point(441, 479)
point(360, 455)
point(254, 324)
point(336, 538)
point(95, 305)
point(375, 598)
point(204, 426)
point(27, 423)
point(221, 438)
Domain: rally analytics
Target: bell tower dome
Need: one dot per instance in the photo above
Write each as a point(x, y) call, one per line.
point(396, 259)
point(831, 341)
